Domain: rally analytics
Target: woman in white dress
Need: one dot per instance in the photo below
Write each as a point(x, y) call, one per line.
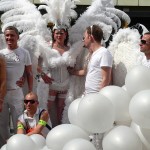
point(58, 70)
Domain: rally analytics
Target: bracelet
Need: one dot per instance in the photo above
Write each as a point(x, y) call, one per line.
point(42, 122)
point(20, 126)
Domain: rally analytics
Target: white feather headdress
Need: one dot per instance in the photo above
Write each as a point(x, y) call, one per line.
point(59, 12)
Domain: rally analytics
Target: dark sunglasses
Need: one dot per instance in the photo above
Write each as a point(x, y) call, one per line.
point(32, 101)
point(144, 42)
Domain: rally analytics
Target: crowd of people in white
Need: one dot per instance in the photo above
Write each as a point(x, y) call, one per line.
point(100, 90)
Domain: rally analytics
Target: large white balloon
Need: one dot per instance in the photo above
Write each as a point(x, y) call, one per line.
point(120, 99)
point(122, 138)
point(45, 148)
point(20, 142)
point(62, 134)
point(96, 113)
point(139, 109)
point(3, 147)
point(72, 111)
point(39, 140)
point(137, 79)
point(144, 135)
point(79, 144)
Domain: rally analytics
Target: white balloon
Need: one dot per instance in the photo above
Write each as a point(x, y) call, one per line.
point(45, 148)
point(39, 140)
point(137, 79)
point(96, 113)
point(79, 144)
point(122, 138)
point(120, 99)
point(20, 142)
point(124, 87)
point(3, 147)
point(139, 109)
point(72, 111)
point(143, 133)
point(61, 134)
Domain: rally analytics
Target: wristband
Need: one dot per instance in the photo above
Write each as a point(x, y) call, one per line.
point(42, 122)
point(20, 126)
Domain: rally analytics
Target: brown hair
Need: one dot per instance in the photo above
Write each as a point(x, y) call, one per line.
point(96, 32)
point(66, 40)
point(12, 28)
point(147, 33)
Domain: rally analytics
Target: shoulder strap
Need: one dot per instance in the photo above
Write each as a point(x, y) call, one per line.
point(27, 126)
point(47, 126)
point(41, 113)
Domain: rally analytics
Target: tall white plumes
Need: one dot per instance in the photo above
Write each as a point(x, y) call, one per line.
point(100, 11)
point(93, 15)
point(121, 14)
point(25, 17)
point(59, 12)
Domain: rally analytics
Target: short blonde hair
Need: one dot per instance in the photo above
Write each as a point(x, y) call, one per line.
point(32, 95)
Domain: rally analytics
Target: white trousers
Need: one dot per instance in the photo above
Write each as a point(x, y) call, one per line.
point(13, 104)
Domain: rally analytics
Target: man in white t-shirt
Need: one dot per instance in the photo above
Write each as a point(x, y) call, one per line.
point(34, 120)
point(100, 64)
point(145, 49)
point(18, 63)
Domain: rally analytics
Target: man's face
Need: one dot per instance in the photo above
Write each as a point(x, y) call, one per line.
point(145, 44)
point(87, 40)
point(31, 103)
point(11, 38)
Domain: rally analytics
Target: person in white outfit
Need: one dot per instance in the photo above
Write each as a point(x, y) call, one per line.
point(145, 49)
point(98, 70)
point(59, 87)
point(18, 63)
point(34, 120)
point(99, 66)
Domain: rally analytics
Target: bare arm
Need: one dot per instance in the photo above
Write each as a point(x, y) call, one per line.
point(2, 81)
point(44, 76)
point(39, 127)
point(106, 76)
point(81, 72)
point(20, 128)
point(29, 75)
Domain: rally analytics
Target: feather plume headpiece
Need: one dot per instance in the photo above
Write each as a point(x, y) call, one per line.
point(102, 13)
point(59, 12)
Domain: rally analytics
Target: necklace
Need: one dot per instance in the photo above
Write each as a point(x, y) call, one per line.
point(60, 46)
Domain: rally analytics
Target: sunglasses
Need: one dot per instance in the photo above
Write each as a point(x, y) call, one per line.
point(32, 101)
point(144, 42)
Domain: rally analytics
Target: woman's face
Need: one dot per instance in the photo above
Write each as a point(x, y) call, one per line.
point(60, 35)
